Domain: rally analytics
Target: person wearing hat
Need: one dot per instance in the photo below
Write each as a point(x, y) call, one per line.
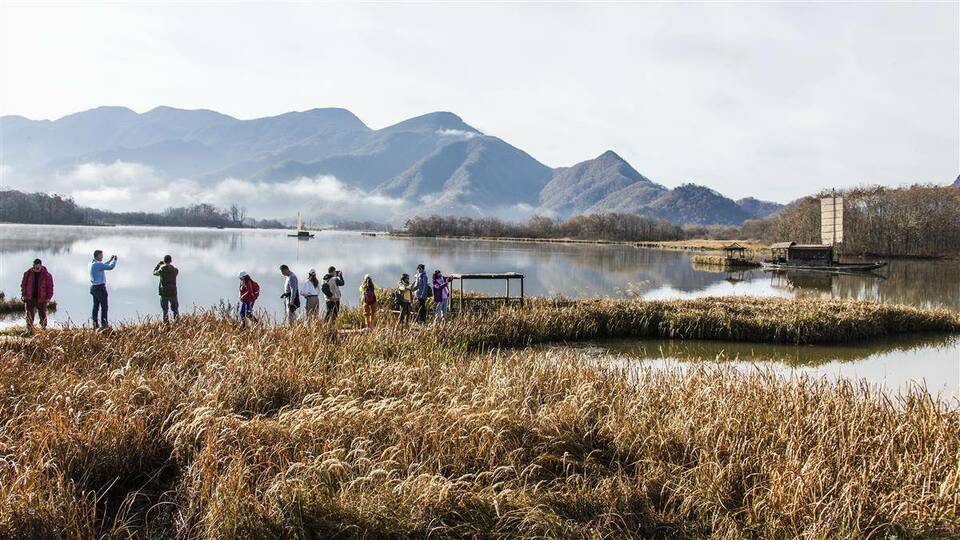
point(249, 292)
point(36, 288)
point(167, 273)
point(310, 289)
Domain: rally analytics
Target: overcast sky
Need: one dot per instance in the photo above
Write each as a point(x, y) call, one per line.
point(771, 100)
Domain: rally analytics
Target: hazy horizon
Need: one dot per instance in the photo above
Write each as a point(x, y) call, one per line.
point(770, 101)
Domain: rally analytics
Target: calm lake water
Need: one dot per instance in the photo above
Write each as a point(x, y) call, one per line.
point(210, 259)
point(891, 363)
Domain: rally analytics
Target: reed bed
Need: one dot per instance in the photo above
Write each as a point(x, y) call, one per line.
point(731, 318)
point(723, 262)
point(204, 430)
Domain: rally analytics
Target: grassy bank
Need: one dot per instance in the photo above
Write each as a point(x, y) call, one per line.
point(15, 305)
point(723, 262)
point(203, 430)
point(732, 318)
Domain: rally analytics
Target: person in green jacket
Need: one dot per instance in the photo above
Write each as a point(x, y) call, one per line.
point(168, 287)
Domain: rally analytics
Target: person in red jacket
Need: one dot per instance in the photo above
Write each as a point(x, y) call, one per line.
point(36, 288)
point(249, 292)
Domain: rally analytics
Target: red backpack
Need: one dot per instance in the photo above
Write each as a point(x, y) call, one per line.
point(254, 289)
point(369, 295)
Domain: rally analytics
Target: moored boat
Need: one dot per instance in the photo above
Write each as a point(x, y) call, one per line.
point(302, 234)
point(834, 267)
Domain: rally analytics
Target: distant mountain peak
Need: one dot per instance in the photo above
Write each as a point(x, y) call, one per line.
point(588, 185)
point(437, 121)
point(956, 183)
point(757, 208)
point(610, 155)
point(102, 112)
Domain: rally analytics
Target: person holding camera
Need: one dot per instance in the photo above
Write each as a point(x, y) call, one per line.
point(167, 273)
point(98, 287)
point(332, 281)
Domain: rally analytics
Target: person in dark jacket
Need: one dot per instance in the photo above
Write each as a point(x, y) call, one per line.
point(36, 288)
point(167, 273)
point(332, 281)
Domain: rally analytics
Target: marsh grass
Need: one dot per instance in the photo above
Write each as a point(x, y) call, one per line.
point(204, 430)
point(721, 261)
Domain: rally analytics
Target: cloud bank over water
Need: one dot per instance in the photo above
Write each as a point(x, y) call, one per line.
point(135, 187)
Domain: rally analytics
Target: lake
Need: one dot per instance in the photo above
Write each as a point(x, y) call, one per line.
point(210, 259)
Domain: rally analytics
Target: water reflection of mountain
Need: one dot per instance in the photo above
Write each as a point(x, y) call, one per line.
point(575, 269)
point(59, 239)
point(800, 355)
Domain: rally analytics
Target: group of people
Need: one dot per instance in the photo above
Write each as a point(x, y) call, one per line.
point(408, 297)
point(312, 288)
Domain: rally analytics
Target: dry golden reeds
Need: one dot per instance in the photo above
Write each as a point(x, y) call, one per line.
point(204, 430)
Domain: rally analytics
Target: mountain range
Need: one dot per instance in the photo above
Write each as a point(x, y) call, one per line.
point(431, 164)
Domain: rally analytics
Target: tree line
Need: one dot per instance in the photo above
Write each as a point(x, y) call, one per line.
point(623, 227)
point(915, 221)
point(43, 208)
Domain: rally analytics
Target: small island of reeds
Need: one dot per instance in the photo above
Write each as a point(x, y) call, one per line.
point(201, 429)
point(721, 261)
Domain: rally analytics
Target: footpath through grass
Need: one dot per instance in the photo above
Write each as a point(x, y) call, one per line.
point(204, 430)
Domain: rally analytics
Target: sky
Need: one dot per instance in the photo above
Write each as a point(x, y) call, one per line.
point(751, 99)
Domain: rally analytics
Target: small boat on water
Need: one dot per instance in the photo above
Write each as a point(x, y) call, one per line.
point(835, 267)
point(302, 234)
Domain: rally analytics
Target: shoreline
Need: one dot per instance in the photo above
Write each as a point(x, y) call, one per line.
point(693, 245)
point(749, 319)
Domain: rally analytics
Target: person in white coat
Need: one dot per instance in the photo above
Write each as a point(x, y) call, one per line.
point(310, 289)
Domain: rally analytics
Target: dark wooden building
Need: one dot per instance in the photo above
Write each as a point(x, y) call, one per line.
point(806, 254)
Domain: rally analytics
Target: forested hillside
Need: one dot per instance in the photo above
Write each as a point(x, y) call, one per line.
point(919, 221)
point(42, 208)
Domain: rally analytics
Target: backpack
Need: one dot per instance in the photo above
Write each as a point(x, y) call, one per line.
point(397, 298)
point(325, 289)
point(255, 289)
point(369, 296)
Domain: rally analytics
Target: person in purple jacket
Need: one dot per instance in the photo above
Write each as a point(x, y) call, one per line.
point(441, 294)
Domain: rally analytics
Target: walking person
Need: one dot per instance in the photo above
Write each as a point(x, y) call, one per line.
point(167, 273)
point(368, 297)
point(310, 289)
point(404, 296)
point(36, 289)
point(332, 281)
point(98, 287)
point(441, 294)
point(422, 290)
point(291, 291)
point(249, 292)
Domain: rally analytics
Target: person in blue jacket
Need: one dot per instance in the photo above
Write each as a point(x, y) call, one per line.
point(98, 287)
point(423, 289)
